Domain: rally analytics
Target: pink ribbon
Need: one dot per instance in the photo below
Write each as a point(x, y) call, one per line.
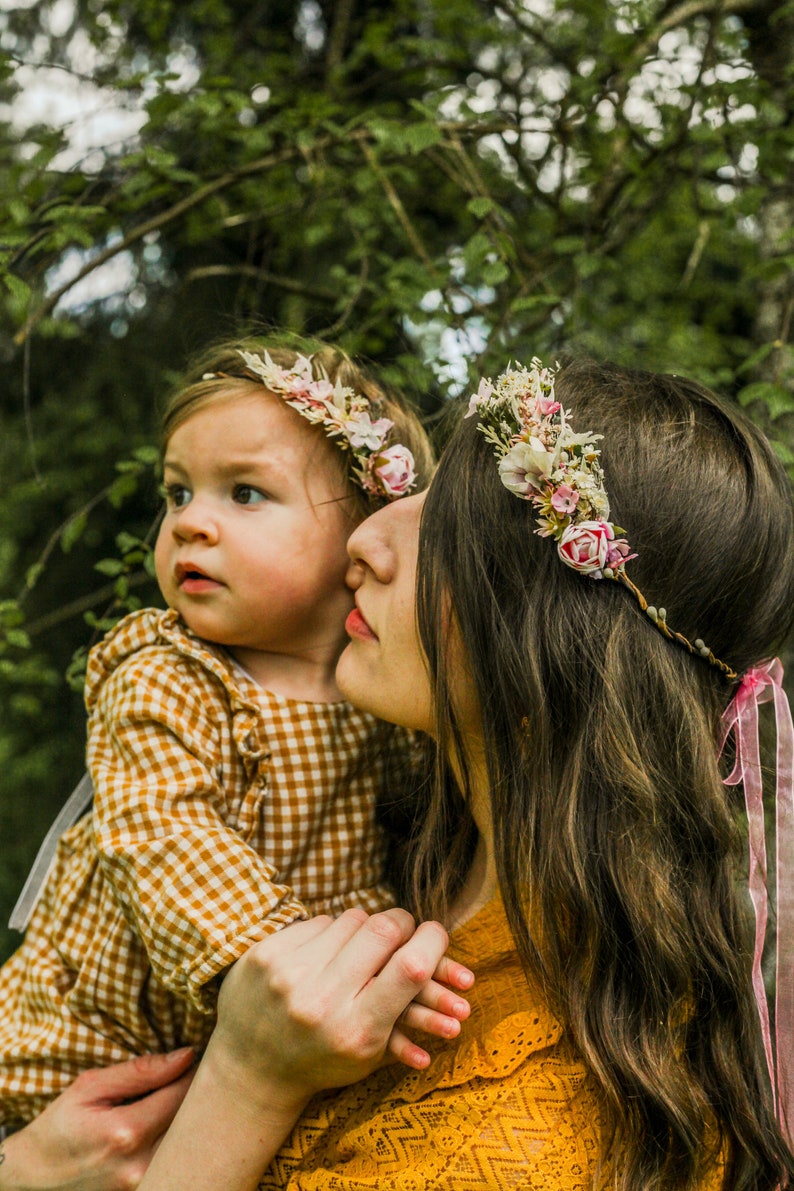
point(759, 685)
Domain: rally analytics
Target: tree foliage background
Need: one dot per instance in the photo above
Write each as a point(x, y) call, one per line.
point(439, 185)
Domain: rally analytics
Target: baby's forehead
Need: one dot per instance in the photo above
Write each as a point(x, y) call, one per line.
point(238, 422)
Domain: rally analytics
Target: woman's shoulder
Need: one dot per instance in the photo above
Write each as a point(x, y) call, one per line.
point(510, 1021)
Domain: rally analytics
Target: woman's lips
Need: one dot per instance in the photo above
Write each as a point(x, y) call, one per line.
point(356, 626)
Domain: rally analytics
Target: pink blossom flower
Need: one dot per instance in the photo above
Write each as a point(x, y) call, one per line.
point(361, 431)
point(564, 499)
point(585, 546)
point(483, 393)
point(526, 466)
point(320, 391)
point(618, 554)
point(394, 470)
point(546, 406)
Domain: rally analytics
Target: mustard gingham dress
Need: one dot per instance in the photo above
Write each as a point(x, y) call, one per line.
point(221, 813)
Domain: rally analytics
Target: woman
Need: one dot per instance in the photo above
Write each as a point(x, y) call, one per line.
point(574, 834)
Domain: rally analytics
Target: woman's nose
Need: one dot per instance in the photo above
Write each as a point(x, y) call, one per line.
point(369, 548)
point(376, 543)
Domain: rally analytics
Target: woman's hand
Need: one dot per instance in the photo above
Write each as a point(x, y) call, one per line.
point(100, 1134)
point(316, 1006)
point(311, 1007)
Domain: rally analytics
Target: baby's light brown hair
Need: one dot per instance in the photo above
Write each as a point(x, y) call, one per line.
point(220, 372)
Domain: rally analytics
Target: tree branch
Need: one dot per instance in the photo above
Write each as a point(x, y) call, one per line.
point(51, 620)
point(397, 206)
point(230, 178)
point(287, 283)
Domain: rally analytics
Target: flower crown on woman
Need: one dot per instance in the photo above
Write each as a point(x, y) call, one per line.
point(382, 472)
point(543, 461)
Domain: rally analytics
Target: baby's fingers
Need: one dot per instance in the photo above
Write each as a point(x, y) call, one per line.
point(405, 1051)
point(429, 1021)
point(442, 1000)
point(450, 972)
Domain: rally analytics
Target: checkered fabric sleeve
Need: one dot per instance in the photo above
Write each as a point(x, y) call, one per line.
point(171, 840)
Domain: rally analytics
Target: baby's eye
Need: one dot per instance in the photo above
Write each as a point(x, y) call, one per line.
point(176, 495)
point(244, 494)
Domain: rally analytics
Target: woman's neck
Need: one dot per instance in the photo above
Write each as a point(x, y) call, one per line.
point(479, 887)
point(481, 882)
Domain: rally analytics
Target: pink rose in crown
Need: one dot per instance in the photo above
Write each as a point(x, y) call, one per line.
point(585, 547)
point(394, 470)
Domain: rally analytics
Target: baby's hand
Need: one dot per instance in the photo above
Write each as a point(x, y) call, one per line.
point(435, 1010)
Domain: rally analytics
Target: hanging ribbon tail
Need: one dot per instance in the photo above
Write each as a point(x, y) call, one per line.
point(742, 717)
point(784, 860)
point(78, 801)
point(760, 685)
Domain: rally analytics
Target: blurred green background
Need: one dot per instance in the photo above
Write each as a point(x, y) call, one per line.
point(440, 186)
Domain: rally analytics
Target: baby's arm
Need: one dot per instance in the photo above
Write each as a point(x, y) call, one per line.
point(194, 891)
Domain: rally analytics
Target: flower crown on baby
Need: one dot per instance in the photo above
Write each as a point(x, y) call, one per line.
point(543, 461)
point(346, 416)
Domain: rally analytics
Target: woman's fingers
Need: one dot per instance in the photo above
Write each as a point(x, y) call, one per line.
point(152, 1114)
point(315, 1005)
point(406, 972)
point(362, 952)
point(134, 1078)
point(428, 1021)
point(101, 1132)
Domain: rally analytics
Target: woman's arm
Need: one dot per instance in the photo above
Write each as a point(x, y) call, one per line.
point(100, 1134)
point(310, 1008)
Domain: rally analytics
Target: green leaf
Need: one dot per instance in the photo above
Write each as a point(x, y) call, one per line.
point(72, 531)
point(121, 488)
point(19, 288)
point(109, 566)
point(495, 272)
point(533, 302)
point(18, 638)
point(480, 205)
point(33, 574)
point(567, 245)
point(756, 357)
point(778, 401)
point(418, 137)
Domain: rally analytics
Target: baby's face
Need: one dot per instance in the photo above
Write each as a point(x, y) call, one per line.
point(251, 551)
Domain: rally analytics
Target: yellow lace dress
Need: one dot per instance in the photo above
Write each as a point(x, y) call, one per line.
point(507, 1105)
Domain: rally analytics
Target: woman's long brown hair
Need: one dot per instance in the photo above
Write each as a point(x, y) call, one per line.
point(616, 841)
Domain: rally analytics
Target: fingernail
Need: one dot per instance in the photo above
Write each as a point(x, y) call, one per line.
point(180, 1054)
